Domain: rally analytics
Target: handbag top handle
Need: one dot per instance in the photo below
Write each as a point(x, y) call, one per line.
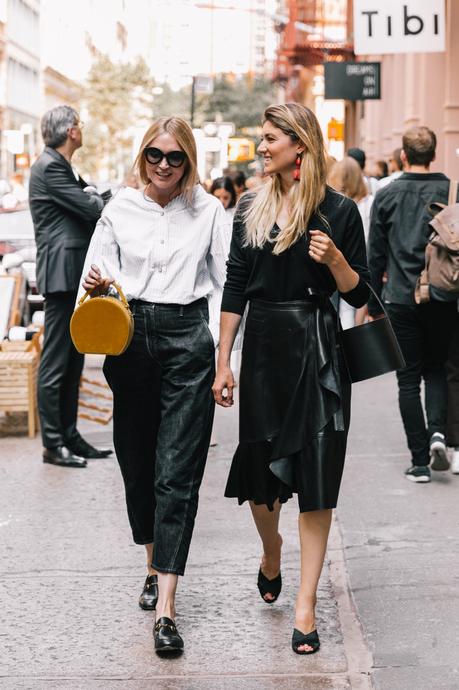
point(117, 286)
point(383, 310)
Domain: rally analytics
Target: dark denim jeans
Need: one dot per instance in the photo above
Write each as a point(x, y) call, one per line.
point(424, 332)
point(452, 372)
point(162, 421)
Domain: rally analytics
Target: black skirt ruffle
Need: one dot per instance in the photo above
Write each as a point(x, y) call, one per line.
point(294, 406)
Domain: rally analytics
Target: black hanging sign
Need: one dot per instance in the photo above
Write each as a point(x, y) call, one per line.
point(353, 81)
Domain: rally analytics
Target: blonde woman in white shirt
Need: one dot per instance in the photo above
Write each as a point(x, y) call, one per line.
point(166, 246)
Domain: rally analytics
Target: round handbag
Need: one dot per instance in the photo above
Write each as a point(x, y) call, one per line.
point(371, 349)
point(102, 325)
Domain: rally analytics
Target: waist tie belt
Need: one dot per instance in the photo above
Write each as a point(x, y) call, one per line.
point(326, 328)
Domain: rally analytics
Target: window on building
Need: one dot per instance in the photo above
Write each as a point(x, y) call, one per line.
point(24, 25)
point(23, 87)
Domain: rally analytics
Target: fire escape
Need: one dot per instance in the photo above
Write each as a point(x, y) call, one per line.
point(305, 44)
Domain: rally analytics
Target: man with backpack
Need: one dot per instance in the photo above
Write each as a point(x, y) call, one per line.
point(399, 235)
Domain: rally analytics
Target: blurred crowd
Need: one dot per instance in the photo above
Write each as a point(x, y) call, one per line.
point(13, 193)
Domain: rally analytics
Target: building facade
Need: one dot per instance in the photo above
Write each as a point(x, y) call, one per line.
point(20, 83)
point(416, 89)
point(193, 37)
point(313, 32)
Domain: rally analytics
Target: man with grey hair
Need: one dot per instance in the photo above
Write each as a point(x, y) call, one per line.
point(64, 212)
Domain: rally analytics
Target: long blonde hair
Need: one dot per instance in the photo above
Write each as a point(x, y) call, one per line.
point(305, 196)
point(346, 177)
point(181, 131)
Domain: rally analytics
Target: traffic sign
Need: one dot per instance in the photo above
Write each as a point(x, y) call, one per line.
point(335, 130)
point(240, 149)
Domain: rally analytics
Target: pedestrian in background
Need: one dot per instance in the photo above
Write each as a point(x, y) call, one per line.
point(452, 372)
point(399, 232)
point(346, 177)
point(295, 241)
point(395, 169)
point(165, 244)
point(239, 179)
point(64, 217)
point(359, 155)
point(381, 170)
point(223, 189)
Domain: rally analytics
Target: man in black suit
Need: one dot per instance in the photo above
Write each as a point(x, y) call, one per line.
point(64, 217)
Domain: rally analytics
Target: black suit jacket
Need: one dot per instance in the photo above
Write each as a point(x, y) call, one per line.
point(64, 219)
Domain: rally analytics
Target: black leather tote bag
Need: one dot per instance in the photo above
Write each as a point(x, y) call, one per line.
point(371, 349)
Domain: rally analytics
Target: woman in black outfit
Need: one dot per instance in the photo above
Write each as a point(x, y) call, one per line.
point(295, 242)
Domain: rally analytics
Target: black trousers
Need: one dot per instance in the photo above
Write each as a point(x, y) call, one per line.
point(452, 372)
point(425, 333)
point(59, 373)
point(162, 421)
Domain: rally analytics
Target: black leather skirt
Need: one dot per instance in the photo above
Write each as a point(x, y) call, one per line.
point(295, 396)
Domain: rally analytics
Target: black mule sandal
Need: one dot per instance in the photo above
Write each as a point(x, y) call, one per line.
point(266, 586)
point(299, 639)
point(167, 638)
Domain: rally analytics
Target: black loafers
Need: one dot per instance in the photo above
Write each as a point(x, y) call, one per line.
point(167, 638)
point(63, 457)
point(149, 596)
point(85, 450)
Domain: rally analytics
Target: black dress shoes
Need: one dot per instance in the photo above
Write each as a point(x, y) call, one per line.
point(149, 596)
point(167, 638)
point(85, 450)
point(63, 456)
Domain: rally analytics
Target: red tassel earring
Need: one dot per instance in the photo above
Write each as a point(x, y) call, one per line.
point(296, 174)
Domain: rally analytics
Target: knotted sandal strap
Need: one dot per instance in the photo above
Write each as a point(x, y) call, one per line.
point(266, 586)
point(299, 639)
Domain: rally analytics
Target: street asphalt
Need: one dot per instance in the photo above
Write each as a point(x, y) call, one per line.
point(388, 609)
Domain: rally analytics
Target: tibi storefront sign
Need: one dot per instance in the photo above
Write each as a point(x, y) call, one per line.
point(394, 26)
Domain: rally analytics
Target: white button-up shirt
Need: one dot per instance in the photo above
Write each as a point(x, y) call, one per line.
point(171, 255)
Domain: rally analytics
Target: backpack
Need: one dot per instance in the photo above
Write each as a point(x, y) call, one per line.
point(440, 277)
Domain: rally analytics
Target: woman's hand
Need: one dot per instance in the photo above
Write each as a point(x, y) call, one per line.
point(224, 379)
point(94, 280)
point(322, 249)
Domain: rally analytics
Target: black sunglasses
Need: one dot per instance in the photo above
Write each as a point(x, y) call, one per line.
point(174, 158)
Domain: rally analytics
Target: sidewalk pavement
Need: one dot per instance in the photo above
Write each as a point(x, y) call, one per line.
point(70, 577)
point(401, 544)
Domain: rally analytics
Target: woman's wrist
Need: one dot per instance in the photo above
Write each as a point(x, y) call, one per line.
point(223, 360)
point(338, 260)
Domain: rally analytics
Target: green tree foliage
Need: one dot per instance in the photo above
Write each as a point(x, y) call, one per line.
point(173, 102)
point(239, 100)
point(117, 98)
point(117, 102)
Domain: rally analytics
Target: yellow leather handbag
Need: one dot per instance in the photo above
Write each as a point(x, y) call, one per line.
point(102, 325)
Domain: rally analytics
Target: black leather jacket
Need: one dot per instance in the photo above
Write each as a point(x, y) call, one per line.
point(64, 219)
point(399, 231)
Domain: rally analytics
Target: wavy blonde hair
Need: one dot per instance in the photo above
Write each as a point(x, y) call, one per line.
point(305, 196)
point(183, 134)
point(346, 176)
